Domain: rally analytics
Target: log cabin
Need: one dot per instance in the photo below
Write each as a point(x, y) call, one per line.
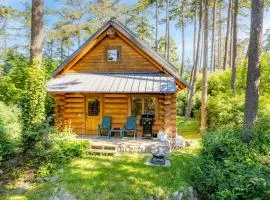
point(115, 74)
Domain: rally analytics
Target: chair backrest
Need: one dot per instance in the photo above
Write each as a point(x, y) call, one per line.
point(106, 122)
point(131, 123)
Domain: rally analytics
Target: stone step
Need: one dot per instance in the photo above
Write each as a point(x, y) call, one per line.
point(102, 148)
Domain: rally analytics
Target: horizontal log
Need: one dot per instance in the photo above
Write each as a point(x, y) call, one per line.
point(113, 100)
point(74, 95)
point(75, 105)
point(116, 106)
point(121, 96)
point(74, 110)
point(73, 100)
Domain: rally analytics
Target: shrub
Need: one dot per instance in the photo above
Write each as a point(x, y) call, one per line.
point(62, 149)
point(10, 130)
point(53, 148)
point(228, 168)
point(181, 104)
point(225, 111)
point(33, 106)
point(33, 103)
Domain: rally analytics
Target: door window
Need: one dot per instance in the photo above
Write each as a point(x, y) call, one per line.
point(93, 107)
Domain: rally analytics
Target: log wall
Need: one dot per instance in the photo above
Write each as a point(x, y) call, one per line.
point(70, 110)
point(96, 60)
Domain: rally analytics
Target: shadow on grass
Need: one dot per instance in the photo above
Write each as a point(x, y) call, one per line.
point(125, 177)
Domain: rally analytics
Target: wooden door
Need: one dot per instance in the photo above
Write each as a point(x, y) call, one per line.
point(93, 114)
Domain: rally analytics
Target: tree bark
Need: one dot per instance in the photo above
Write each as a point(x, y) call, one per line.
point(219, 38)
point(213, 38)
point(201, 54)
point(37, 33)
point(183, 50)
point(156, 33)
point(194, 49)
point(194, 37)
point(231, 35)
point(253, 74)
point(190, 102)
point(204, 70)
point(227, 36)
point(183, 37)
point(167, 31)
point(234, 54)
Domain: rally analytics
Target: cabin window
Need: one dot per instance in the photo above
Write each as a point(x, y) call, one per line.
point(140, 105)
point(113, 55)
point(136, 106)
point(93, 107)
point(149, 105)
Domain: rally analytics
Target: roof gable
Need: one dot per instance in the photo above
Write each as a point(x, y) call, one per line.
point(130, 38)
point(130, 60)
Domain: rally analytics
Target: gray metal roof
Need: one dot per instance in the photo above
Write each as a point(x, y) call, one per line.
point(113, 83)
point(169, 67)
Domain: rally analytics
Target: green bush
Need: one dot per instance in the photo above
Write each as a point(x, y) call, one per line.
point(10, 130)
point(181, 104)
point(228, 168)
point(33, 103)
point(53, 148)
point(225, 111)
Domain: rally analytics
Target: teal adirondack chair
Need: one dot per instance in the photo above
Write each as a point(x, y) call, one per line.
point(105, 128)
point(130, 127)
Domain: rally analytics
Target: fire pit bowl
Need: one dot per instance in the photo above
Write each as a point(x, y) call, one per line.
point(160, 154)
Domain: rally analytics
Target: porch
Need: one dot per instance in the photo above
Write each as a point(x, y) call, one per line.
point(124, 145)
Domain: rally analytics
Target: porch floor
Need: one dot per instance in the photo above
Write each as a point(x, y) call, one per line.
point(128, 144)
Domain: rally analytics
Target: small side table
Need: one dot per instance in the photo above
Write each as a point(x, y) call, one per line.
point(116, 130)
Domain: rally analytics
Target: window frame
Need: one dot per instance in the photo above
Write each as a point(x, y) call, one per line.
point(142, 97)
point(113, 48)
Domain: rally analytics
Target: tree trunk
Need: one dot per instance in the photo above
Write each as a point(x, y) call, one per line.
point(190, 102)
point(204, 71)
point(183, 50)
point(231, 34)
point(227, 36)
point(167, 30)
point(194, 48)
point(219, 38)
point(168, 42)
point(37, 33)
point(234, 54)
point(201, 54)
point(156, 33)
point(253, 74)
point(194, 37)
point(213, 38)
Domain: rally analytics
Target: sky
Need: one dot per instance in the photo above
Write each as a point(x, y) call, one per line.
point(243, 31)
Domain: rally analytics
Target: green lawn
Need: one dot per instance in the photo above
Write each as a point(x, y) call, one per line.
point(124, 177)
point(188, 129)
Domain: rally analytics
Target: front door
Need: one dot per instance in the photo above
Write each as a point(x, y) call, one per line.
point(93, 114)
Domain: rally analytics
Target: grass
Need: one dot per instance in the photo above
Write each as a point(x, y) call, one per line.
point(188, 129)
point(125, 177)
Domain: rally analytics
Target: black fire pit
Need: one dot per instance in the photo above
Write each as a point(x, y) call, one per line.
point(158, 159)
point(160, 153)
